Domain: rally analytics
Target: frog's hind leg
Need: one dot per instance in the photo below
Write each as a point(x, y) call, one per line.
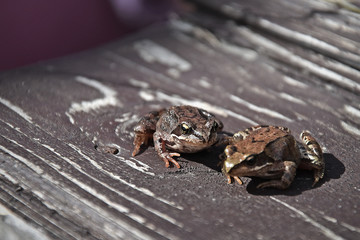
point(312, 157)
point(145, 129)
point(141, 138)
point(286, 179)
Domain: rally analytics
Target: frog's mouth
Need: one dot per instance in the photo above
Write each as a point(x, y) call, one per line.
point(244, 171)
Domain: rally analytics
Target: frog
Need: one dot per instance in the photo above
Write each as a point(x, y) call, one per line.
point(271, 152)
point(175, 130)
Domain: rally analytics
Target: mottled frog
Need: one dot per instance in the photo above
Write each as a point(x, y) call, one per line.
point(180, 129)
point(273, 153)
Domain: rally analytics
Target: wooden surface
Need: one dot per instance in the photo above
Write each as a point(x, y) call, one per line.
point(288, 63)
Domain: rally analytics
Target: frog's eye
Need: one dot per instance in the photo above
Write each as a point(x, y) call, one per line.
point(250, 161)
point(185, 128)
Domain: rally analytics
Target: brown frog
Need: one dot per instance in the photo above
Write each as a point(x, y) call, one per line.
point(271, 152)
point(183, 129)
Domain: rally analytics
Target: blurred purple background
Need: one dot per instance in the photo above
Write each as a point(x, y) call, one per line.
point(41, 29)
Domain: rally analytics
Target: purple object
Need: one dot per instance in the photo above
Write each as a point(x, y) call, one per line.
point(138, 13)
point(37, 30)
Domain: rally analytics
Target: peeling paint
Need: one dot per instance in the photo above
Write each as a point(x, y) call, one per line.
point(109, 98)
point(324, 230)
point(16, 109)
point(263, 110)
point(153, 52)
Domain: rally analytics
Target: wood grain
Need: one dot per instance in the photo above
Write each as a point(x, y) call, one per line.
point(292, 64)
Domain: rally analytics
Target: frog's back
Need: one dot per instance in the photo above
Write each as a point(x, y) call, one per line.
point(254, 140)
point(268, 134)
point(262, 133)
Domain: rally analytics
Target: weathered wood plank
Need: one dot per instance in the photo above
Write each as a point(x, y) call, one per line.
point(318, 25)
point(56, 116)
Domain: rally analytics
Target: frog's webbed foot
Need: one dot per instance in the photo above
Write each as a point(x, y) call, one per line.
point(140, 138)
point(313, 158)
point(286, 179)
point(230, 178)
point(238, 180)
point(161, 150)
point(167, 157)
point(318, 174)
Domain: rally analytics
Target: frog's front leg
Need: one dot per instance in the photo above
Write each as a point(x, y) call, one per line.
point(286, 179)
point(223, 140)
point(229, 179)
point(161, 150)
point(145, 129)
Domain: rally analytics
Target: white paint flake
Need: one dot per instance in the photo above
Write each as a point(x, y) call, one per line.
point(203, 82)
point(28, 163)
point(109, 98)
point(16, 109)
point(350, 128)
point(244, 53)
point(118, 178)
point(137, 83)
point(111, 229)
point(81, 184)
point(294, 82)
point(8, 177)
point(153, 76)
point(124, 117)
point(263, 110)
point(346, 225)
point(173, 72)
point(205, 35)
point(307, 40)
point(71, 119)
point(324, 230)
point(136, 166)
point(101, 196)
point(291, 98)
point(153, 52)
point(276, 50)
point(106, 199)
point(147, 96)
point(350, 227)
point(17, 228)
point(352, 111)
point(336, 26)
